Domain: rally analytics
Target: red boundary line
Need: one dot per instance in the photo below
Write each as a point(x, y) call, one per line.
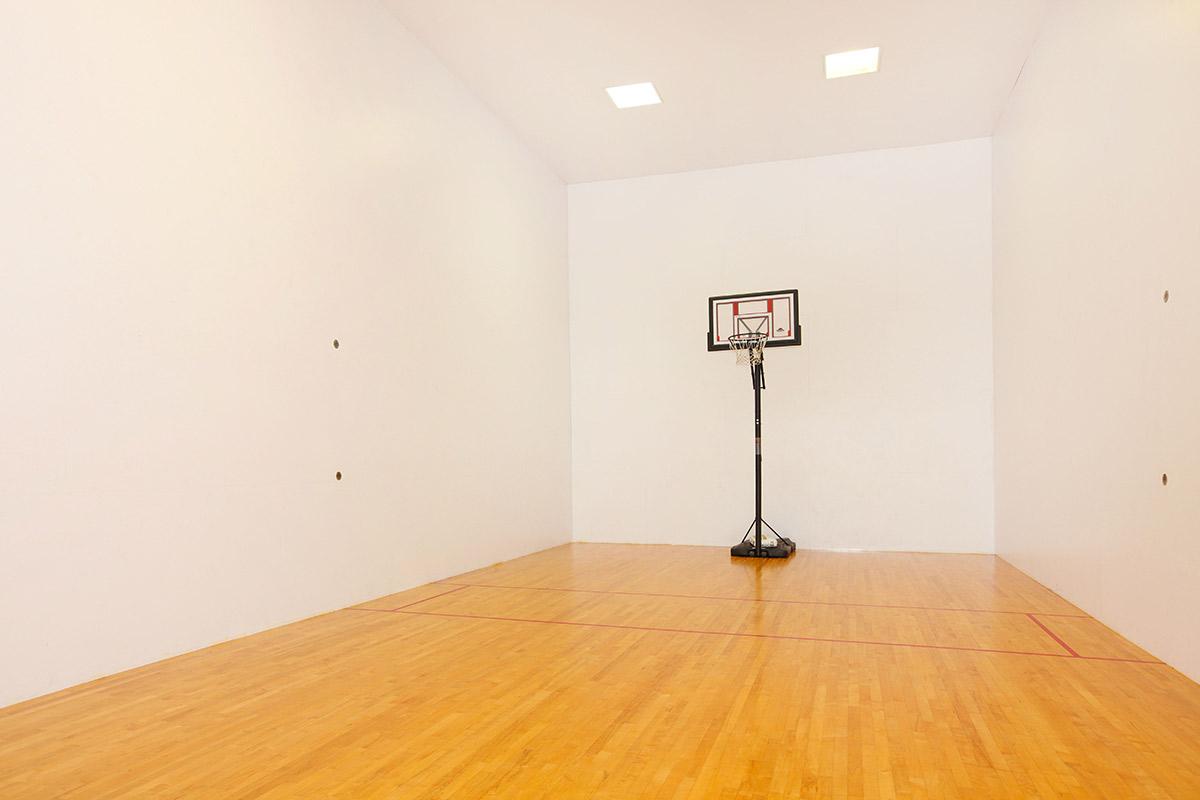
point(782, 636)
point(761, 600)
point(1054, 636)
point(751, 635)
point(413, 603)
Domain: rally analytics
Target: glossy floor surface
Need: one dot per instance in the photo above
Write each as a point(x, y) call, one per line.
point(638, 671)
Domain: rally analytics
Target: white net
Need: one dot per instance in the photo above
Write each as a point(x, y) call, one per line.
point(748, 347)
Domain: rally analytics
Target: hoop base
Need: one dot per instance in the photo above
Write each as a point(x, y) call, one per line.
point(783, 549)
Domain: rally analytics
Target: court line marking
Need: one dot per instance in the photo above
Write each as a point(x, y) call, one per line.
point(763, 600)
point(752, 635)
point(1055, 636)
point(413, 603)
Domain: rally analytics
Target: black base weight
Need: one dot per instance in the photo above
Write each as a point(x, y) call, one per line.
point(747, 549)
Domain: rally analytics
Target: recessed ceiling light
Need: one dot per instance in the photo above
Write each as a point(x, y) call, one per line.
point(634, 95)
point(852, 62)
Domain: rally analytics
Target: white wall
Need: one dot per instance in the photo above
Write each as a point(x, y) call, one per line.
point(878, 430)
point(1097, 202)
point(197, 197)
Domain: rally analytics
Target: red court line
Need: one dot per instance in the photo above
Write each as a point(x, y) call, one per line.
point(753, 635)
point(768, 636)
point(1054, 636)
point(407, 605)
point(761, 600)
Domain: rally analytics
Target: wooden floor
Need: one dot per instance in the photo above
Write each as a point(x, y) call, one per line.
point(626, 671)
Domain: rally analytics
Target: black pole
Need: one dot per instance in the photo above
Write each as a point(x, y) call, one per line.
point(783, 546)
point(756, 374)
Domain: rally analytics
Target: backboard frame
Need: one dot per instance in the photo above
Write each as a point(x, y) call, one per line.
point(718, 305)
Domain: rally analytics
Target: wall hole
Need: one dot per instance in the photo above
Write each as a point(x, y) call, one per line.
point(335, 344)
point(1164, 479)
point(338, 475)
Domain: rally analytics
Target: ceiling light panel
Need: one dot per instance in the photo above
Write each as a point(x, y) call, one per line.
point(633, 95)
point(852, 62)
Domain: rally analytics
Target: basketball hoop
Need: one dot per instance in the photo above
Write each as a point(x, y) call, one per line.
point(746, 324)
point(748, 347)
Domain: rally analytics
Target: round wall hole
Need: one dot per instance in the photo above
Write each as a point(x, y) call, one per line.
point(1166, 295)
point(335, 344)
point(1164, 479)
point(338, 475)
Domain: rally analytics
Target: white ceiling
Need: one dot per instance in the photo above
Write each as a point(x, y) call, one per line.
point(740, 81)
